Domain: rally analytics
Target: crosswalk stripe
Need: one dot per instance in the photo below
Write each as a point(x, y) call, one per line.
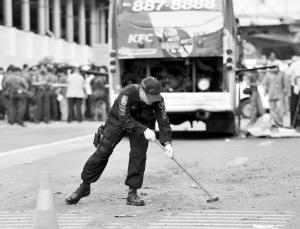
point(229, 217)
point(12, 220)
point(224, 220)
point(202, 223)
point(193, 227)
point(243, 212)
point(235, 215)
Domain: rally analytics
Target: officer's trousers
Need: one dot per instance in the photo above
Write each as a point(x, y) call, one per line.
point(75, 103)
point(16, 110)
point(112, 135)
point(43, 104)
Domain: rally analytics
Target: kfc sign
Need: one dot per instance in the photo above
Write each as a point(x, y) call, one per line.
point(140, 38)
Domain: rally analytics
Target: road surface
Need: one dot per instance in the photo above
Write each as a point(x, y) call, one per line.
point(257, 181)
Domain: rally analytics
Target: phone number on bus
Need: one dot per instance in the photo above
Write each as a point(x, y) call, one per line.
point(171, 5)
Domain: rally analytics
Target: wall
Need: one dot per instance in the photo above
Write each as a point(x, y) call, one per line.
point(19, 47)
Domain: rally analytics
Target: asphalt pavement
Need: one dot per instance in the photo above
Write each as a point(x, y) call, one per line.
point(256, 179)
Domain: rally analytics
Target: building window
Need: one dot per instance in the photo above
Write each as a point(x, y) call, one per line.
point(1, 13)
point(34, 16)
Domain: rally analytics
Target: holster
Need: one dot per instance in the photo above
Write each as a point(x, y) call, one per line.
point(97, 136)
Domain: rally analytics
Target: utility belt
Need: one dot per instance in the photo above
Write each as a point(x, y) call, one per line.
point(15, 94)
point(109, 132)
point(97, 136)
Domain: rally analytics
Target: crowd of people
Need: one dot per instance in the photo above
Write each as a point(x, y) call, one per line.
point(48, 92)
point(281, 85)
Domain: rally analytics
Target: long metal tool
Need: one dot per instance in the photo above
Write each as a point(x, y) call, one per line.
point(211, 198)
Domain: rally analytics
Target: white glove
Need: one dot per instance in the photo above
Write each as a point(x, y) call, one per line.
point(169, 151)
point(150, 135)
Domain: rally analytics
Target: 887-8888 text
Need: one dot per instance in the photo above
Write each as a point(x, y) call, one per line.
point(172, 5)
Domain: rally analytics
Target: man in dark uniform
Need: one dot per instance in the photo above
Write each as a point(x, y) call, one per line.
point(15, 91)
point(134, 113)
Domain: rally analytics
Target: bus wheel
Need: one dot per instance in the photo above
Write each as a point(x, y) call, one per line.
point(245, 108)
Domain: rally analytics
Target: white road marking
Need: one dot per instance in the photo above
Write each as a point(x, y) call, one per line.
point(246, 219)
point(244, 212)
point(217, 227)
point(265, 143)
point(16, 220)
point(237, 215)
point(224, 220)
point(37, 152)
point(21, 150)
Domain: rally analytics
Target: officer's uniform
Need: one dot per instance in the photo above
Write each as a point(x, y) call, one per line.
point(43, 96)
point(15, 91)
point(128, 115)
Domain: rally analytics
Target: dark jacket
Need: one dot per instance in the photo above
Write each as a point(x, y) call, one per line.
point(135, 116)
point(14, 86)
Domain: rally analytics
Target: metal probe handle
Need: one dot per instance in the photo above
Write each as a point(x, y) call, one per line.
point(199, 185)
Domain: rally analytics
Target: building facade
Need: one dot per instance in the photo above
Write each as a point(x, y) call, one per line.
point(73, 31)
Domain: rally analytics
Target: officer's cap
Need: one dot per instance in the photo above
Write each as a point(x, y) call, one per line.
point(152, 87)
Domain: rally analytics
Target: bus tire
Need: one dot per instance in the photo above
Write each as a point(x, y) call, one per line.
point(245, 108)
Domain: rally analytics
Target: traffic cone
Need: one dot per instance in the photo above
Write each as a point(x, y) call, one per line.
point(45, 217)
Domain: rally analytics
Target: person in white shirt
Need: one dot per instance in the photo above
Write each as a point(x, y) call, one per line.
point(273, 61)
point(88, 91)
point(75, 94)
point(294, 72)
point(2, 107)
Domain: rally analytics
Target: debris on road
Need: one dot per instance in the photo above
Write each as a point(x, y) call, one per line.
point(238, 161)
point(125, 215)
point(193, 186)
point(265, 127)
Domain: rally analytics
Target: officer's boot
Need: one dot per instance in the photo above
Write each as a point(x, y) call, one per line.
point(83, 191)
point(133, 198)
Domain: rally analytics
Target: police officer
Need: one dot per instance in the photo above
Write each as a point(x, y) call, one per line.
point(42, 84)
point(133, 113)
point(15, 91)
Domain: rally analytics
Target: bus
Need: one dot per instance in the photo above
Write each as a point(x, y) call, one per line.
point(190, 46)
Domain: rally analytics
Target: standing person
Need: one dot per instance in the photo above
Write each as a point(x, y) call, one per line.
point(99, 98)
point(28, 77)
point(273, 61)
point(52, 79)
point(15, 87)
point(295, 120)
point(257, 109)
point(286, 100)
point(61, 95)
point(2, 107)
point(43, 94)
point(75, 94)
point(294, 72)
point(134, 113)
point(274, 85)
point(88, 91)
point(33, 98)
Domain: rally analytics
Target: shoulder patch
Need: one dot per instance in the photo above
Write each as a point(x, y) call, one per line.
point(123, 104)
point(124, 100)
